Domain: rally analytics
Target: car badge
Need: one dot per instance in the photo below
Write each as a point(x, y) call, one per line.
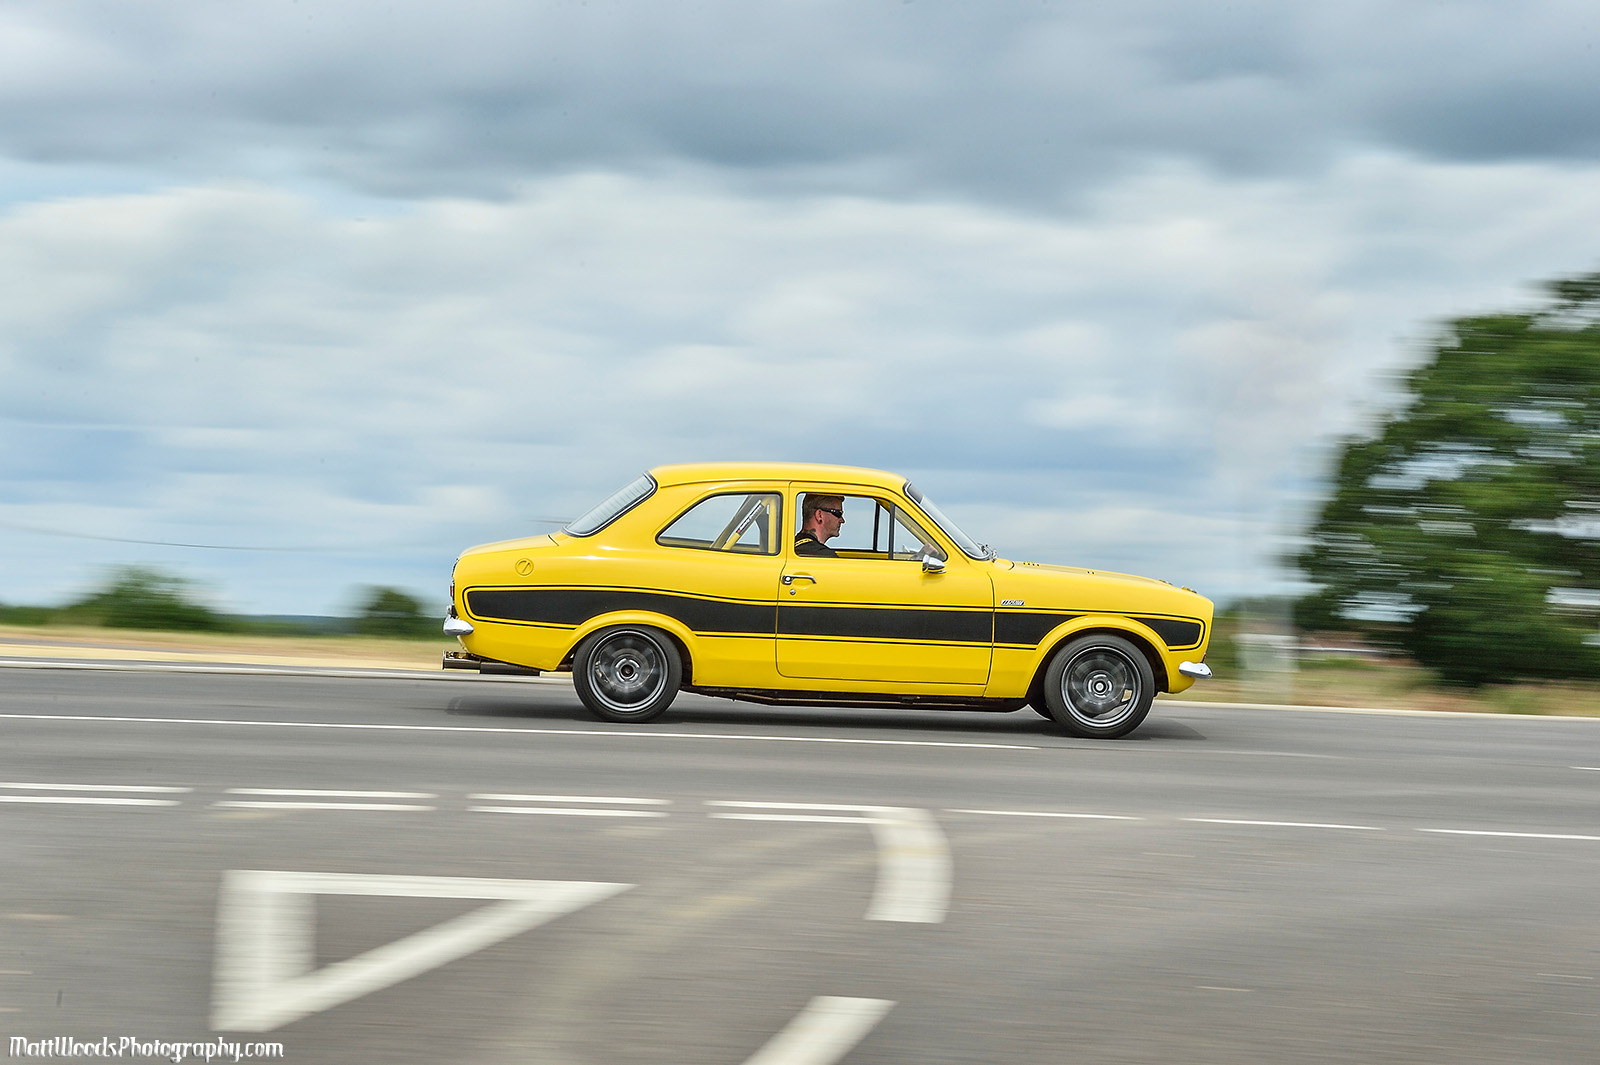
point(1011, 602)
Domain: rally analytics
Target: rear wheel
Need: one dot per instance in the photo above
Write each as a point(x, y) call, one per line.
point(627, 673)
point(1099, 686)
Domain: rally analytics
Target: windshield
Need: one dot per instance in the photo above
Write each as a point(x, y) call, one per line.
point(950, 529)
point(614, 507)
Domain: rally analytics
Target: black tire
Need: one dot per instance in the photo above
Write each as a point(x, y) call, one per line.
point(627, 673)
point(1099, 686)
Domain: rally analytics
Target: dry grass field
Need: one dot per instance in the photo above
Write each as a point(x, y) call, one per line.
point(139, 645)
point(1394, 684)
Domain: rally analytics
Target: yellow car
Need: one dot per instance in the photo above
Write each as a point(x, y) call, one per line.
point(784, 583)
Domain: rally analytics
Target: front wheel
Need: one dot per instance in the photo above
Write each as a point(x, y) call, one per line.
point(1099, 686)
point(627, 673)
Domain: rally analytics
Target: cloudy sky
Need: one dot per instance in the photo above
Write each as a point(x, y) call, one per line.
point(334, 289)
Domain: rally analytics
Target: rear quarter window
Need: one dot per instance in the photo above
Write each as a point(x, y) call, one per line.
point(613, 506)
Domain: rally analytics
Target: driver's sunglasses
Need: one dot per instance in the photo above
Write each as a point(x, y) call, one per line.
point(836, 513)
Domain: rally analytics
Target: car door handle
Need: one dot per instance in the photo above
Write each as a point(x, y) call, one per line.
point(790, 578)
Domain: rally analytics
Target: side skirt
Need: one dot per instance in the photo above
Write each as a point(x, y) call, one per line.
point(862, 700)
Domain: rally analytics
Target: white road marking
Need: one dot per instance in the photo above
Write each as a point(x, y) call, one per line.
point(820, 819)
point(1513, 835)
point(1590, 768)
point(314, 792)
point(494, 797)
point(1283, 824)
point(95, 787)
point(753, 805)
point(1047, 813)
point(823, 1032)
point(563, 811)
point(1274, 754)
point(498, 730)
point(266, 924)
point(245, 804)
point(913, 858)
point(88, 800)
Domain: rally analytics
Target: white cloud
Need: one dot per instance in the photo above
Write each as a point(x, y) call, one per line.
point(1140, 386)
point(1011, 103)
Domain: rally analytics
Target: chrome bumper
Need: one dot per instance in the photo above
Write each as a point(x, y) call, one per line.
point(454, 626)
point(1197, 670)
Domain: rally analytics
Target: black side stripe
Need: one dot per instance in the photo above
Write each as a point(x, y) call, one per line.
point(1026, 630)
point(574, 606)
point(1174, 632)
point(939, 626)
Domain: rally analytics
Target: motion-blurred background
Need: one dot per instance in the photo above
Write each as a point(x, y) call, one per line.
point(1291, 303)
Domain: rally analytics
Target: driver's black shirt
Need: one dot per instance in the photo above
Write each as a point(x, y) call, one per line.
point(809, 546)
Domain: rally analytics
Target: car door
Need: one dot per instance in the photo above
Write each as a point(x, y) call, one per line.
point(875, 613)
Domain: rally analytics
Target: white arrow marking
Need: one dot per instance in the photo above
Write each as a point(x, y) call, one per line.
point(823, 1032)
point(266, 924)
point(913, 860)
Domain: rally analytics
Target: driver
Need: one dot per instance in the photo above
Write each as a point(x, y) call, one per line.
point(824, 515)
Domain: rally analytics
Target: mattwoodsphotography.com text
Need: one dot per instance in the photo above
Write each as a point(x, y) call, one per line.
point(132, 1048)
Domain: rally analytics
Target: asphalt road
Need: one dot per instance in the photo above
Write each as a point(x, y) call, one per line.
point(472, 870)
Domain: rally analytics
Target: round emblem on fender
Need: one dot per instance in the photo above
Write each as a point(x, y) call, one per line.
point(524, 566)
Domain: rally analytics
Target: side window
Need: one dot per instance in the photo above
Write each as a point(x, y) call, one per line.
point(740, 522)
point(873, 528)
point(907, 540)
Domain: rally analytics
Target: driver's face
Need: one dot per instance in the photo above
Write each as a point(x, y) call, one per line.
point(828, 526)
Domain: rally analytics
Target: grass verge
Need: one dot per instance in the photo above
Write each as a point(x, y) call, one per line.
point(1399, 685)
point(348, 651)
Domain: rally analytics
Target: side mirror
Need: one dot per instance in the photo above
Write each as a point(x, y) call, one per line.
point(930, 564)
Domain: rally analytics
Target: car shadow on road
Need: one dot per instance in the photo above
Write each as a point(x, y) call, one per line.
point(564, 707)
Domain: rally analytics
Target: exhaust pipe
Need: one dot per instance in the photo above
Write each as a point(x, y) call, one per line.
point(468, 660)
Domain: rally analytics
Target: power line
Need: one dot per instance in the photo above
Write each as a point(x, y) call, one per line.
point(159, 543)
point(39, 531)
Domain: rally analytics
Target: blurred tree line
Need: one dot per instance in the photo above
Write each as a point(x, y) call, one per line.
point(140, 597)
point(1464, 532)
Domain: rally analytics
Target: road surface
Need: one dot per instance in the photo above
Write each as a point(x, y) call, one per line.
point(418, 869)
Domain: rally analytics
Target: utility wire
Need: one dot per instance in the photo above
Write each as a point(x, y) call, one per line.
point(156, 543)
point(201, 547)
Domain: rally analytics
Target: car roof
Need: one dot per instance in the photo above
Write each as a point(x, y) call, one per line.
point(689, 473)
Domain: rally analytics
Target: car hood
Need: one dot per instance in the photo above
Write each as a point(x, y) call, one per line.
point(1075, 571)
point(1041, 584)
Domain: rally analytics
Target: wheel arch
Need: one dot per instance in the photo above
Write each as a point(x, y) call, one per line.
point(1147, 642)
point(672, 628)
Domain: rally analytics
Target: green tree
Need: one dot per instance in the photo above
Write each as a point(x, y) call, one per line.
point(389, 612)
point(1465, 531)
point(139, 597)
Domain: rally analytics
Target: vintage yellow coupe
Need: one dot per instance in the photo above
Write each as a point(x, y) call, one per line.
point(689, 578)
